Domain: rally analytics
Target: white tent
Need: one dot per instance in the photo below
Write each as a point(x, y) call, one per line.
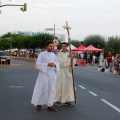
point(72, 47)
point(13, 50)
point(23, 50)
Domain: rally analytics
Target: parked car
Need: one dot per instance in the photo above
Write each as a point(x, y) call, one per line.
point(5, 58)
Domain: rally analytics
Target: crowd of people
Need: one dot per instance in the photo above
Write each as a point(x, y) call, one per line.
point(109, 62)
point(27, 54)
point(113, 63)
point(116, 64)
point(91, 58)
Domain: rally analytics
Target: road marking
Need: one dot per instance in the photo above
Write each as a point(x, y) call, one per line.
point(81, 87)
point(111, 105)
point(92, 93)
point(17, 86)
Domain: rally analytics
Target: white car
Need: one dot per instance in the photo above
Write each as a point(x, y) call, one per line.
point(4, 57)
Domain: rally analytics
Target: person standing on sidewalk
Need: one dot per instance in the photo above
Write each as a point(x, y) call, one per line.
point(101, 60)
point(116, 65)
point(93, 59)
point(44, 91)
point(109, 61)
point(90, 59)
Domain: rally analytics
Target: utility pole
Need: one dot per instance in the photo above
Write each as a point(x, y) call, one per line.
point(51, 29)
point(54, 31)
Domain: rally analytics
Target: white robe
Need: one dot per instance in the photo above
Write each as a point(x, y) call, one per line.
point(44, 91)
point(64, 81)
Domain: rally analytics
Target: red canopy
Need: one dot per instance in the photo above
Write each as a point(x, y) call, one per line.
point(80, 48)
point(91, 48)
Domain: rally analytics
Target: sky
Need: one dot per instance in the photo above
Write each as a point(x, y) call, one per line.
point(85, 17)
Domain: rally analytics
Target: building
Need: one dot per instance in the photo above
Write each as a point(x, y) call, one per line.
point(25, 33)
point(61, 37)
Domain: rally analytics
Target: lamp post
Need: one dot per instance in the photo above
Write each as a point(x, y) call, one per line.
point(23, 8)
point(51, 29)
point(54, 30)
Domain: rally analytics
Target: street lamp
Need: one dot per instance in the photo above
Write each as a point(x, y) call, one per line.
point(51, 29)
point(23, 8)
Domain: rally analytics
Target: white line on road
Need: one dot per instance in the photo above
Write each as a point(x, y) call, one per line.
point(16, 86)
point(111, 105)
point(81, 87)
point(92, 93)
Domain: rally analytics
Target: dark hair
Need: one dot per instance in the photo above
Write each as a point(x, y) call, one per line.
point(49, 42)
point(65, 43)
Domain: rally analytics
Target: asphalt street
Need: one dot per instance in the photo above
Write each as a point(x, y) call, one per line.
point(98, 95)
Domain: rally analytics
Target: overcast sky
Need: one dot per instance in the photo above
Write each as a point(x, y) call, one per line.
point(84, 16)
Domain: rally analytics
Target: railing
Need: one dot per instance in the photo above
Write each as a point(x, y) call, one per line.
point(21, 58)
point(81, 62)
point(0, 64)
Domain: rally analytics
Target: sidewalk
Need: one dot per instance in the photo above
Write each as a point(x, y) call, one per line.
point(94, 68)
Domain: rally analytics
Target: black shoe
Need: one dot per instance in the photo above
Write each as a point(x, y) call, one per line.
point(58, 103)
point(69, 104)
point(39, 108)
point(52, 109)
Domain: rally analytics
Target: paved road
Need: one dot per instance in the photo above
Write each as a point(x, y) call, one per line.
point(103, 91)
point(98, 95)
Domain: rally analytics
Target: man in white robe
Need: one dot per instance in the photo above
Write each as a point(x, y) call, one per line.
point(44, 91)
point(64, 81)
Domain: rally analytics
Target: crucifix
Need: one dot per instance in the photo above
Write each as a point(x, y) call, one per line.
point(67, 27)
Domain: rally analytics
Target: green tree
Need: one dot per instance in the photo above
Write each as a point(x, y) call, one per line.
point(113, 45)
point(19, 41)
point(5, 43)
point(9, 34)
point(76, 43)
point(26, 41)
point(41, 39)
point(95, 40)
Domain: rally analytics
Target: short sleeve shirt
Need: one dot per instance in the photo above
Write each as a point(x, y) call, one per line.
point(109, 58)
